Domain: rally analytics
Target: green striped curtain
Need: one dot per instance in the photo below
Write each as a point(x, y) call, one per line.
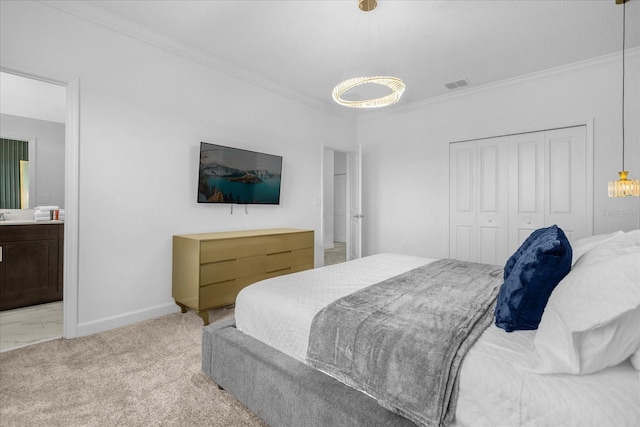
point(11, 152)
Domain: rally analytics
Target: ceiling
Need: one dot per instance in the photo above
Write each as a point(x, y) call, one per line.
point(304, 48)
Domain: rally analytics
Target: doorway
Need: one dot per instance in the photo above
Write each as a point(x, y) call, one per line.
point(335, 206)
point(69, 104)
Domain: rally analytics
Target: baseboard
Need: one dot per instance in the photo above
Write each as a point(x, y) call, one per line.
point(105, 324)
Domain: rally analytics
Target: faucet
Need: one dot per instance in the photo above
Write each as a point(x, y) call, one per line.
point(2, 218)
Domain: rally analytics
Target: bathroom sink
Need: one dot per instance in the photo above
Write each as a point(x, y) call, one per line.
point(17, 221)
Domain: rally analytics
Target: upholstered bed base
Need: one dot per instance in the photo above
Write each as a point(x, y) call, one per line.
point(281, 390)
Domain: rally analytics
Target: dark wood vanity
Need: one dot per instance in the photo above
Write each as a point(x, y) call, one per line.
point(30, 264)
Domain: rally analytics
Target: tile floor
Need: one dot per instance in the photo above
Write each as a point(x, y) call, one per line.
point(30, 325)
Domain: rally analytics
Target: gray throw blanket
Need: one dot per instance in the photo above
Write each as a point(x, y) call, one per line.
point(402, 341)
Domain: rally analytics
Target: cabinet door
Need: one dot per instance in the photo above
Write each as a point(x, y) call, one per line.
point(29, 273)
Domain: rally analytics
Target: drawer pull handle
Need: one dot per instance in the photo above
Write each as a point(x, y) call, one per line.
point(278, 253)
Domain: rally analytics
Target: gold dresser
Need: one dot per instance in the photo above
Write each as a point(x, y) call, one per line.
point(209, 269)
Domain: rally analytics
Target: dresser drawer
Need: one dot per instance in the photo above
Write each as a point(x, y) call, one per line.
point(226, 270)
point(224, 293)
point(225, 249)
point(283, 260)
point(287, 242)
point(290, 270)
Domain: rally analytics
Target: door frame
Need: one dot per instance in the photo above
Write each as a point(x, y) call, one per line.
point(70, 302)
point(354, 213)
point(323, 202)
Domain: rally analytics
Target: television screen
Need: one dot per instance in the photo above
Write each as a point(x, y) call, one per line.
point(232, 175)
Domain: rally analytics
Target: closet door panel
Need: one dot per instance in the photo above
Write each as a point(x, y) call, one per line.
point(462, 201)
point(464, 245)
point(565, 195)
point(490, 245)
point(492, 217)
point(526, 186)
point(559, 179)
point(504, 188)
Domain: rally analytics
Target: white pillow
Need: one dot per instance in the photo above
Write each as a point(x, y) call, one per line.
point(635, 236)
point(614, 245)
point(591, 319)
point(635, 359)
point(581, 246)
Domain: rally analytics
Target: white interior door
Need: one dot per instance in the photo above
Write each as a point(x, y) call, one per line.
point(526, 186)
point(503, 188)
point(462, 201)
point(354, 172)
point(492, 187)
point(565, 180)
point(340, 208)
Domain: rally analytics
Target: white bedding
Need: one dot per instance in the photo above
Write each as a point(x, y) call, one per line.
point(279, 311)
point(494, 389)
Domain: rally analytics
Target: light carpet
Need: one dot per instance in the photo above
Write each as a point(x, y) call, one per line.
point(139, 375)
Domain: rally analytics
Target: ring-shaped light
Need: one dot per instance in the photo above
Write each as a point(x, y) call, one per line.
point(395, 84)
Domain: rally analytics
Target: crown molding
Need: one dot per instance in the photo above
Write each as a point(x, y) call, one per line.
point(631, 55)
point(88, 12)
point(85, 10)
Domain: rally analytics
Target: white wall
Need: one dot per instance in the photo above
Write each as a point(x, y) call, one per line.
point(49, 142)
point(405, 153)
point(143, 113)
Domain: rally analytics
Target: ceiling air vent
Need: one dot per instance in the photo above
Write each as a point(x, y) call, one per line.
point(457, 84)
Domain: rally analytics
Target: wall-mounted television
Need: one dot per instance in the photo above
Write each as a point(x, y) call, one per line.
point(233, 175)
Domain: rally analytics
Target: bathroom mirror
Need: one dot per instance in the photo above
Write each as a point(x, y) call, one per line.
point(34, 112)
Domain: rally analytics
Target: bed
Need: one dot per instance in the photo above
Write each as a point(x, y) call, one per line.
point(583, 372)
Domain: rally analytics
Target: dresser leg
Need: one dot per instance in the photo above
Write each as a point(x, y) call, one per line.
point(183, 308)
point(205, 316)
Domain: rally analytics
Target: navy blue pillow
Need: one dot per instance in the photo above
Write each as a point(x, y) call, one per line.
point(511, 262)
point(536, 272)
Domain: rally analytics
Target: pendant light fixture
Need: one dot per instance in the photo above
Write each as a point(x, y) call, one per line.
point(396, 85)
point(623, 187)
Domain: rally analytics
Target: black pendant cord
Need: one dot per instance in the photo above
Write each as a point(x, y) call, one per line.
point(623, 34)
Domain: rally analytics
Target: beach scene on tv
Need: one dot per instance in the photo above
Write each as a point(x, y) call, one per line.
point(232, 175)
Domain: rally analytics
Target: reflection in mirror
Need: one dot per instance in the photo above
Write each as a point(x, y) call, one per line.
point(24, 184)
point(33, 111)
point(12, 155)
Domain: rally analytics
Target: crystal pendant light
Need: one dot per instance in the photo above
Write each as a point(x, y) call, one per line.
point(623, 187)
point(396, 85)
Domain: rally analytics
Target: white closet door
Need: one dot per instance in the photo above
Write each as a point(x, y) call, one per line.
point(492, 188)
point(462, 201)
point(504, 188)
point(566, 177)
point(526, 186)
